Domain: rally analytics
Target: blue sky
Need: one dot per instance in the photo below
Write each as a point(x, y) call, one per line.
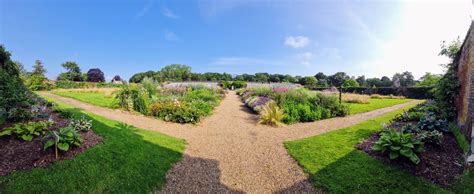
point(371, 38)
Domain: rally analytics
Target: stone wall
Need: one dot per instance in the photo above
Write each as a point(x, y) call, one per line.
point(465, 102)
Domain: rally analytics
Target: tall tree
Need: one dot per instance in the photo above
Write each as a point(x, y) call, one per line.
point(429, 79)
point(36, 80)
point(73, 72)
point(95, 75)
point(385, 82)
point(175, 72)
point(361, 80)
point(337, 80)
point(320, 76)
point(404, 79)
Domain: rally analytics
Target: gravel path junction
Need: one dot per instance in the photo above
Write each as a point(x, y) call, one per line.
point(229, 152)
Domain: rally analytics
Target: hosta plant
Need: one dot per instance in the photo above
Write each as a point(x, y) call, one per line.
point(430, 122)
point(27, 131)
point(271, 114)
point(81, 124)
point(399, 143)
point(62, 139)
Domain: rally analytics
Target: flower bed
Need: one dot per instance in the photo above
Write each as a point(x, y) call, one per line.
point(48, 135)
point(420, 142)
point(296, 105)
point(178, 103)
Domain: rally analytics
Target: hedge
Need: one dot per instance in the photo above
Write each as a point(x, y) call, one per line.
point(409, 92)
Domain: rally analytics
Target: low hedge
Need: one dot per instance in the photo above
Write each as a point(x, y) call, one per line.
point(65, 84)
point(409, 92)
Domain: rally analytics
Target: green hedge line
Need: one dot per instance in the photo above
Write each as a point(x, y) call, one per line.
point(71, 84)
point(409, 92)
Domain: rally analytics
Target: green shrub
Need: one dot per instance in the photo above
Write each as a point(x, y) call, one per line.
point(150, 85)
point(140, 100)
point(239, 84)
point(27, 131)
point(399, 143)
point(225, 84)
point(408, 116)
point(63, 139)
point(62, 113)
point(430, 122)
point(271, 114)
point(175, 111)
point(122, 97)
point(81, 124)
point(13, 94)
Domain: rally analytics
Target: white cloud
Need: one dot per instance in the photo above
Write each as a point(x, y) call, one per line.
point(171, 36)
point(297, 41)
point(169, 13)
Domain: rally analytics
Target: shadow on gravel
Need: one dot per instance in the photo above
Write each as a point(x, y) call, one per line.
point(251, 116)
point(196, 175)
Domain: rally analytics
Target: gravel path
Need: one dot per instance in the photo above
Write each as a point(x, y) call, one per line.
point(228, 152)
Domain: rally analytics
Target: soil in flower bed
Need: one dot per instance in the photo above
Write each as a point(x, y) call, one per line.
point(16, 154)
point(441, 164)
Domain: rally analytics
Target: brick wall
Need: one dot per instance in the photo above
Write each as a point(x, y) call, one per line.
point(465, 102)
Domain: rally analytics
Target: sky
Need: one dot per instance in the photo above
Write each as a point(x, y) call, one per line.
point(300, 37)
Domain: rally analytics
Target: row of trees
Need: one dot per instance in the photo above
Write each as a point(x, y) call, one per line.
point(178, 72)
point(36, 79)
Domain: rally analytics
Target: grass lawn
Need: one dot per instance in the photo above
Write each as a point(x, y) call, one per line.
point(334, 164)
point(94, 98)
point(130, 160)
point(375, 104)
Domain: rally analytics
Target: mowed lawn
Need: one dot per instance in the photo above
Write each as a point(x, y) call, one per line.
point(375, 104)
point(94, 98)
point(336, 166)
point(130, 160)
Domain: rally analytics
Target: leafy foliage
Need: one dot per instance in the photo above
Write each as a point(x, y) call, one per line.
point(271, 115)
point(27, 131)
point(430, 122)
point(399, 143)
point(14, 96)
point(63, 139)
point(73, 72)
point(81, 124)
point(95, 75)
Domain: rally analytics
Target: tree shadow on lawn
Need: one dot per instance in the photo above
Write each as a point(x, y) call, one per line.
point(129, 160)
point(358, 172)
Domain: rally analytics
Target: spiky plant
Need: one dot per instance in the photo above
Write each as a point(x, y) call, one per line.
point(271, 115)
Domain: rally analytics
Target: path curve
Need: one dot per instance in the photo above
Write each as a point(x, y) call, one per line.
point(228, 152)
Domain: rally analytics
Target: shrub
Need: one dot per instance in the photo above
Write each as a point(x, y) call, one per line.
point(122, 97)
point(27, 131)
point(430, 122)
point(271, 114)
point(174, 111)
point(13, 94)
point(408, 116)
point(225, 84)
point(81, 124)
point(63, 139)
point(399, 143)
point(150, 85)
point(140, 100)
point(239, 84)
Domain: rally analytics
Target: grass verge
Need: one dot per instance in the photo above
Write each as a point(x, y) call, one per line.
point(375, 104)
point(130, 160)
point(335, 165)
point(94, 98)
